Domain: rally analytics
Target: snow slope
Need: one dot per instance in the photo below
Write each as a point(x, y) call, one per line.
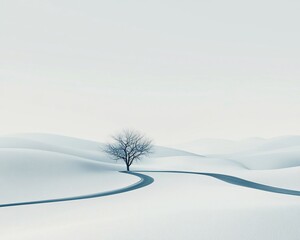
point(28, 175)
point(175, 206)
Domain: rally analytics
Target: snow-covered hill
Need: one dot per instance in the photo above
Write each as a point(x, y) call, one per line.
point(44, 166)
point(224, 146)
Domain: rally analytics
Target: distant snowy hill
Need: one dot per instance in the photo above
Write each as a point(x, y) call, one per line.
point(91, 150)
point(223, 146)
point(219, 146)
point(253, 153)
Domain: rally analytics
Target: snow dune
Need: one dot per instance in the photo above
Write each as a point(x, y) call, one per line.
point(46, 166)
point(28, 175)
point(224, 146)
point(270, 159)
point(206, 191)
point(208, 146)
point(42, 166)
point(73, 146)
point(255, 153)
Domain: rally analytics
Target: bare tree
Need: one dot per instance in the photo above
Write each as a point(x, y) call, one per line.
point(129, 146)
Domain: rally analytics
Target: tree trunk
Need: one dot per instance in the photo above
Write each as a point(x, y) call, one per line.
point(127, 168)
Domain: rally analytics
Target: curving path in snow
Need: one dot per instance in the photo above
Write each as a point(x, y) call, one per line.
point(146, 180)
point(143, 182)
point(237, 181)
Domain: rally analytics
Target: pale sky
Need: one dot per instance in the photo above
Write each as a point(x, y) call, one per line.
point(175, 70)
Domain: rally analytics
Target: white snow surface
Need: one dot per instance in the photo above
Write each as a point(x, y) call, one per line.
point(175, 206)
